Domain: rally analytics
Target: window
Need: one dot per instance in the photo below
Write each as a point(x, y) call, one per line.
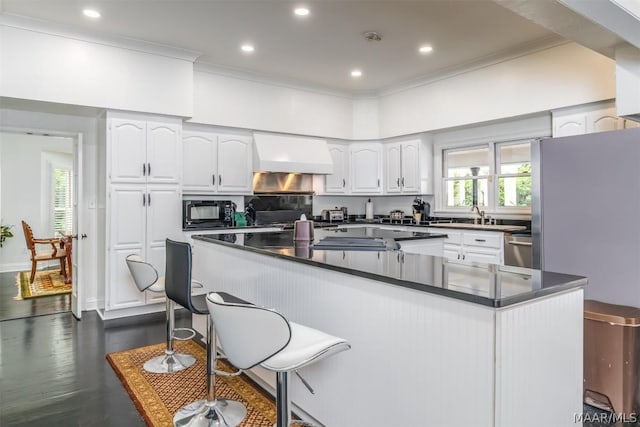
point(466, 168)
point(514, 175)
point(498, 174)
point(62, 200)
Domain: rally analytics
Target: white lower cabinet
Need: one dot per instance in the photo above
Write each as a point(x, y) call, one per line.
point(473, 246)
point(141, 218)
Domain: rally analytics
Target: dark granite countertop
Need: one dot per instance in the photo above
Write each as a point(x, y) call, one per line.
point(486, 284)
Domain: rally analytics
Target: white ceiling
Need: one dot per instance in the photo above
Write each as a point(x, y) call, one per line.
point(320, 49)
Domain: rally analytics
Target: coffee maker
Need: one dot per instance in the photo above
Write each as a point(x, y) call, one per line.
point(421, 207)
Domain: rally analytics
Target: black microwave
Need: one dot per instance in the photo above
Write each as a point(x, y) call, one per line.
point(203, 214)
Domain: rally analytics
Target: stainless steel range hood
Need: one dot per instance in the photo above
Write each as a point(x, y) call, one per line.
point(291, 154)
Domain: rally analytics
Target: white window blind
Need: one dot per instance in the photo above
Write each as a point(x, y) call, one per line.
point(62, 201)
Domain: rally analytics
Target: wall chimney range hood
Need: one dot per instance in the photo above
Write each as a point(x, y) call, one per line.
point(291, 154)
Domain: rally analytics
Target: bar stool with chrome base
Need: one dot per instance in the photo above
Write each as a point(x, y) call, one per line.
point(251, 335)
point(146, 278)
point(212, 411)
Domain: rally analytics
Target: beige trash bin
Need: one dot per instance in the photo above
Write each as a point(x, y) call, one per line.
point(612, 357)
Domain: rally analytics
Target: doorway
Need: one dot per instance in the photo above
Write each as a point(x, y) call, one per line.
point(37, 185)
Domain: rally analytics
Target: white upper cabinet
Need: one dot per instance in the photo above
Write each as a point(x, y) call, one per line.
point(576, 122)
point(200, 161)
point(128, 144)
point(402, 167)
point(365, 167)
point(235, 164)
point(216, 163)
point(144, 152)
point(338, 181)
point(392, 167)
point(164, 153)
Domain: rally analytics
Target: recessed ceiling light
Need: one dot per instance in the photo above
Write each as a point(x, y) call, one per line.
point(301, 11)
point(91, 13)
point(247, 48)
point(425, 49)
point(356, 73)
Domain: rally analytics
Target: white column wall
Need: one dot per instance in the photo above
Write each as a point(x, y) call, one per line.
point(48, 67)
point(244, 103)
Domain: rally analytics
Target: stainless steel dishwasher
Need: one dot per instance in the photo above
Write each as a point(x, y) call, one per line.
point(517, 250)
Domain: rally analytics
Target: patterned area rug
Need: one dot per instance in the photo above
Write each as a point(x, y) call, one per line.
point(46, 283)
point(159, 396)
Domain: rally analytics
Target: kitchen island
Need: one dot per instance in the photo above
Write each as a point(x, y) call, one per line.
point(434, 342)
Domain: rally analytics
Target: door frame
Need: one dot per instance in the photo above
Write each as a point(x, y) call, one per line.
point(77, 290)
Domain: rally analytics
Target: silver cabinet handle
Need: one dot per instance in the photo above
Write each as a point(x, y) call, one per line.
point(398, 182)
point(219, 179)
point(144, 169)
point(480, 240)
point(520, 243)
point(213, 177)
point(403, 181)
point(344, 182)
point(144, 200)
point(148, 199)
point(378, 182)
point(149, 169)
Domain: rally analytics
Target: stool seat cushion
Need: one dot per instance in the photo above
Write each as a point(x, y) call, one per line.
point(307, 345)
point(158, 286)
point(199, 304)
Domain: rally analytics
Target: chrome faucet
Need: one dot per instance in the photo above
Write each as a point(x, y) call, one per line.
point(479, 212)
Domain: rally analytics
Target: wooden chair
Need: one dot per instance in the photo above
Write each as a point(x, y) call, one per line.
point(56, 252)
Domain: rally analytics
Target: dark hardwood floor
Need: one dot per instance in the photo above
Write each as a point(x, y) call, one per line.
point(53, 370)
point(12, 309)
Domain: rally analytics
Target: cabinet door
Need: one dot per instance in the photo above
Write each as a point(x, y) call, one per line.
point(164, 153)
point(199, 162)
point(451, 251)
point(337, 182)
point(235, 165)
point(366, 168)
point(164, 220)
point(392, 168)
point(575, 124)
point(127, 150)
point(410, 178)
point(127, 220)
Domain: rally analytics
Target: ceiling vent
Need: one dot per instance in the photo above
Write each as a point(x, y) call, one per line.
point(372, 36)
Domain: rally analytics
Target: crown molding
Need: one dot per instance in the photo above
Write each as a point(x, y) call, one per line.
point(46, 27)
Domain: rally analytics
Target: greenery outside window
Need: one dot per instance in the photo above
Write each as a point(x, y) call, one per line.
point(459, 176)
point(514, 174)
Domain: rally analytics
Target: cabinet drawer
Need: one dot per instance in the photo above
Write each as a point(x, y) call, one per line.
point(485, 240)
point(453, 236)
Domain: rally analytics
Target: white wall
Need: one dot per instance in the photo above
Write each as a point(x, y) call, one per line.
point(366, 118)
point(49, 67)
point(22, 193)
point(223, 100)
point(12, 119)
point(557, 77)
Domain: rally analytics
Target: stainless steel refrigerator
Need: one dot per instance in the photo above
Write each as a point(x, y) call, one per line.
point(586, 211)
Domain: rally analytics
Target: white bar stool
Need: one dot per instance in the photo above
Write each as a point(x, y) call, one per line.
point(146, 278)
point(211, 411)
point(250, 335)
